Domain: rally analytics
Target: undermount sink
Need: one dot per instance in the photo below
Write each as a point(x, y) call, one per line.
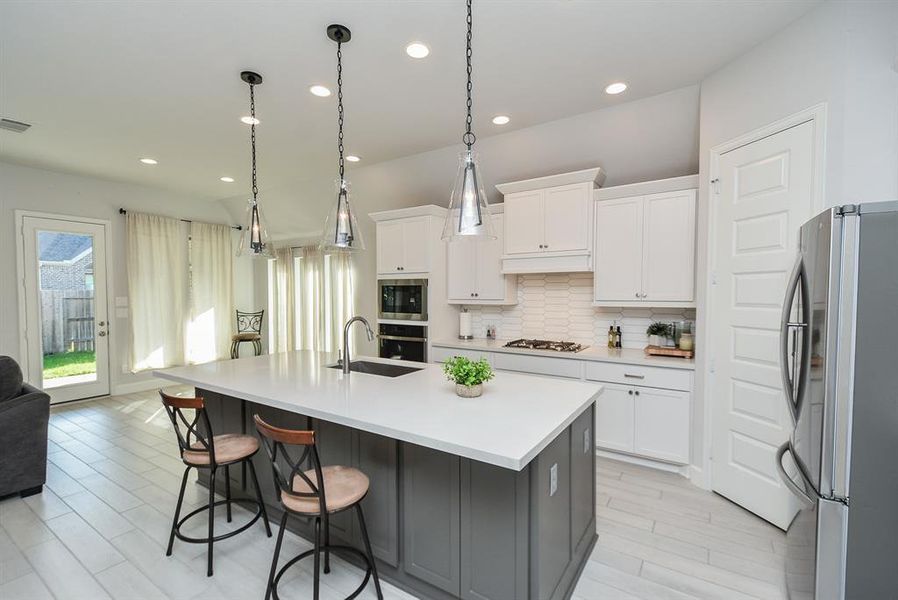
point(377, 368)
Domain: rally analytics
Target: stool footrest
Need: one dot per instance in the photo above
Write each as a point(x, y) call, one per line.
point(322, 548)
point(224, 536)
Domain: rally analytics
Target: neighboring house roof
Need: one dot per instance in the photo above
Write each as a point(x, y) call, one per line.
point(61, 247)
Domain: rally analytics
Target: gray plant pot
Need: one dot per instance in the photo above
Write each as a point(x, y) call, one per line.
point(468, 391)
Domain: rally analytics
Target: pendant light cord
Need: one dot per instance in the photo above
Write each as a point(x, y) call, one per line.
point(469, 138)
point(252, 137)
point(340, 106)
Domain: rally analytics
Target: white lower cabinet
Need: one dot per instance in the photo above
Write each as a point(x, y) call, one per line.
point(614, 418)
point(661, 424)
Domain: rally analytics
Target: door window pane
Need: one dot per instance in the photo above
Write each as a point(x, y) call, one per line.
point(66, 263)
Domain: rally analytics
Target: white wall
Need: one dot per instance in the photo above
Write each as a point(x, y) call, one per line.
point(652, 138)
point(842, 54)
point(64, 194)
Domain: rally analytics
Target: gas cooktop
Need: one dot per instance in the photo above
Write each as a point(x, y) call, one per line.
point(546, 345)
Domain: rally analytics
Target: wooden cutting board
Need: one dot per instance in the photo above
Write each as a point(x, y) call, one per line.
point(664, 351)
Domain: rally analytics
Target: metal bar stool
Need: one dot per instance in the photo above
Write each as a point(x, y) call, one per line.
point(316, 494)
point(201, 449)
point(249, 329)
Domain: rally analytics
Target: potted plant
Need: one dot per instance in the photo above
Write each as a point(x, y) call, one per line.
point(657, 332)
point(468, 375)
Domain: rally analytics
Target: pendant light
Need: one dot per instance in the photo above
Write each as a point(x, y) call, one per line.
point(254, 240)
point(469, 216)
point(341, 229)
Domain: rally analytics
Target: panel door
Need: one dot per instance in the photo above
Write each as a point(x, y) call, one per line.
point(583, 478)
point(390, 253)
point(378, 458)
point(662, 424)
point(615, 414)
point(524, 225)
point(618, 250)
point(416, 245)
point(335, 448)
point(668, 257)
point(431, 526)
point(489, 280)
point(765, 194)
point(461, 269)
point(566, 214)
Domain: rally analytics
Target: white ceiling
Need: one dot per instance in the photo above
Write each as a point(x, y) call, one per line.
point(104, 83)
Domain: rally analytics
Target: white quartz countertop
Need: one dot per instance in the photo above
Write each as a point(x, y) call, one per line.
point(628, 356)
point(514, 420)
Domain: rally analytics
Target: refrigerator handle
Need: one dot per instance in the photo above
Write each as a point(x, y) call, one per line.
point(801, 493)
point(789, 386)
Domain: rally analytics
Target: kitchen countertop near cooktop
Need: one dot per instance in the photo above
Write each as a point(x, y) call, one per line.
point(629, 356)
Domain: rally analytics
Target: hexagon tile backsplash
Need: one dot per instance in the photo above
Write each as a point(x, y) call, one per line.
point(559, 307)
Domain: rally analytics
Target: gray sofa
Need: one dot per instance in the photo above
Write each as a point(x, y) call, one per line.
point(24, 415)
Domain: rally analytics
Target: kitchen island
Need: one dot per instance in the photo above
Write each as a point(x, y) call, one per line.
point(482, 498)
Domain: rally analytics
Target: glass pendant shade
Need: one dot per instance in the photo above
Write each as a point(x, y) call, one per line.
point(341, 229)
point(254, 239)
point(469, 216)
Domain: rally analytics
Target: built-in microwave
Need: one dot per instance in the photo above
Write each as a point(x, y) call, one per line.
point(403, 299)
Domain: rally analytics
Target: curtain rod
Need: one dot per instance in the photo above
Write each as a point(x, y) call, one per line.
point(122, 211)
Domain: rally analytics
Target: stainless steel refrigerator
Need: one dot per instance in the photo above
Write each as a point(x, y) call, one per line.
point(839, 344)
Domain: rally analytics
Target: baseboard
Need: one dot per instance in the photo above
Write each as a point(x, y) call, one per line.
point(645, 462)
point(697, 477)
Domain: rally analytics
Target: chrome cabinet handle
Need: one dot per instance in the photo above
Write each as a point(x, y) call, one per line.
point(637, 294)
point(632, 376)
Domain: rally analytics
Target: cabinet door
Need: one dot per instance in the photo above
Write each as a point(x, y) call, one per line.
point(566, 215)
point(618, 250)
point(461, 269)
point(335, 448)
point(583, 479)
point(614, 418)
point(378, 458)
point(389, 247)
point(524, 226)
point(430, 517)
point(416, 245)
point(489, 280)
point(662, 424)
point(668, 259)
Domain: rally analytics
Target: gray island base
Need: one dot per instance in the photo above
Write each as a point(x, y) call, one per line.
point(443, 526)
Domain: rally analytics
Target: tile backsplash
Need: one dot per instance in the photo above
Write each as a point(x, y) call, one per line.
point(559, 307)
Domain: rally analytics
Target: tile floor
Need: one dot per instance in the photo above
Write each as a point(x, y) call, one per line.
point(100, 527)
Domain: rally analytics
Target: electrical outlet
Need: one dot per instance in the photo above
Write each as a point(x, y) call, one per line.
point(586, 441)
point(553, 479)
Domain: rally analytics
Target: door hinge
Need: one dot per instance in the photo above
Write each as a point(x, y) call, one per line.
point(715, 186)
point(712, 365)
point(713, 277)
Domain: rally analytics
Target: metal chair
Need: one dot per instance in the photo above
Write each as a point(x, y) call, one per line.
point(316, 494)
point(249, 329)
point(201, 449)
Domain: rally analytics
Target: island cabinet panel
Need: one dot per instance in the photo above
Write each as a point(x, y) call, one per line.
point(550, 533)
point(583, 490)
point(378, 458)
point(335, 448)
point(431, 517)
point(494, 532)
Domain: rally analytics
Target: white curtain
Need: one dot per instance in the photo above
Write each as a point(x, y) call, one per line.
point(211, 293)
point(285, 315)
point(314, 298)
point(157, 282)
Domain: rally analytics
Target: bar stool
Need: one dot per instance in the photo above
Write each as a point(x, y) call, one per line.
point(201, 449)
point(316, 494)
point(249, 329)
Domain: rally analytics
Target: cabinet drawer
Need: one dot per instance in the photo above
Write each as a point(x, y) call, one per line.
point(672, 379)
point(440, 354)
point(555, 367)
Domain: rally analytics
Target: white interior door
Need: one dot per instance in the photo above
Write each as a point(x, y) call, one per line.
point(764, 194)
point(66, 321)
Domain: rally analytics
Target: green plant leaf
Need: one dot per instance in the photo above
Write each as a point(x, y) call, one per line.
point(464, 371)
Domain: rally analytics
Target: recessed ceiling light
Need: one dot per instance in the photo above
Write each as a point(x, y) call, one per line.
point(501, 120)
point(616, 88)
point(149, 161)
point(249, 120)
point(417, 50)
point(226, 179)
point(352, 158)
point(320, 90)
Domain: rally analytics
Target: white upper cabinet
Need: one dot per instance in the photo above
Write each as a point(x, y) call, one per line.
point(408, 240)
point(645, 246)
point(548, 223)
point(474, 271)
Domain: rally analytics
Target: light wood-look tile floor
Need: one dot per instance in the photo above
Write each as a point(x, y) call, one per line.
point(100, 528)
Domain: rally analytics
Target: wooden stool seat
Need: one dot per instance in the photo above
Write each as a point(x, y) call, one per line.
point(343, 487)
point(229, 448)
